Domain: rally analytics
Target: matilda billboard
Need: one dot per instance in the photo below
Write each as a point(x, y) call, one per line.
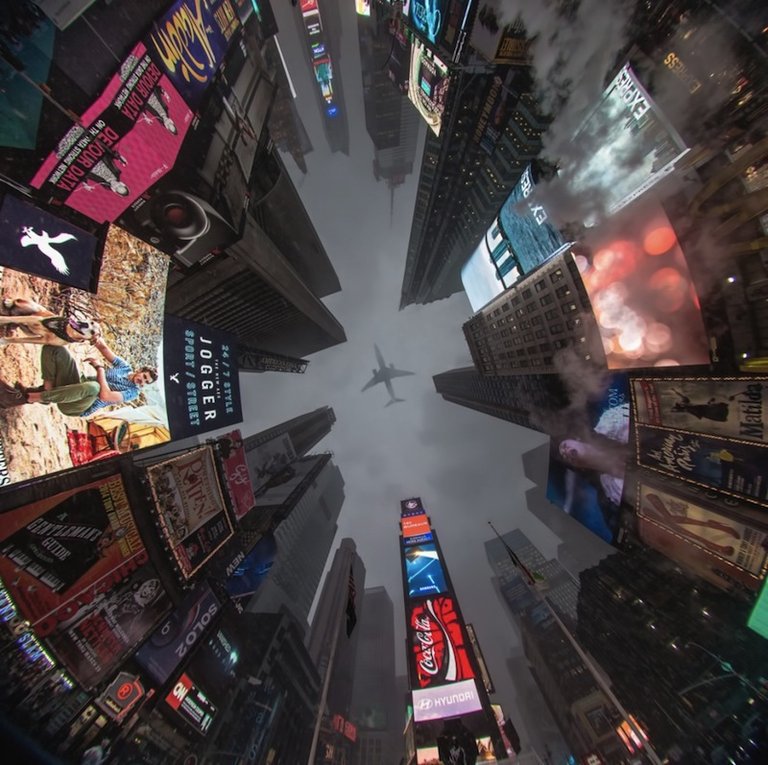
point(76, 568)
point(190, 508)
point(236, 473)
point(428, 85)
point(438, 650)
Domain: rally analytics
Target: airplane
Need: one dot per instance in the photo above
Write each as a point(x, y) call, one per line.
point(385, 374)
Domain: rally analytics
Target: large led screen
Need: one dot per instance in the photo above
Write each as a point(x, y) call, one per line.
point(36, 242)
point(423, 571)
point(439, 653)
point(758, 618)
point(633, 146)
point(714, 546)
point(190, 508)
point(732, 407)
point(736, 468)
point(129, 138)
point(428, 85)
point(588, 461)
point(414, 525)
point(446, 701)
point(641, 292)
point(192, 704)
point(127, 314)
point(253, 569)
point(202, 387)
point(428, 17)
point(76, 568)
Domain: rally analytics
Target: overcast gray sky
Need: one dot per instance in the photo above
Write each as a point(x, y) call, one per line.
point(466, 466)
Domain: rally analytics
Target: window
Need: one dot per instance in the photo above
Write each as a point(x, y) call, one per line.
point(517, 341)
point(544, 347)
point(525, 324)
point(556, 329)
point(519, 312)
point(563, 291)
point(531, 307)
point(570, 308)
point(516, 300)
point(540, 285)
point(541, 333)
point(556, 275)
point(528, 337)
point(537, 319)
point(505, 307)
point(561, 343)
point(526, 294)
point(551, 314)
point(546, 299)
point(573, 323)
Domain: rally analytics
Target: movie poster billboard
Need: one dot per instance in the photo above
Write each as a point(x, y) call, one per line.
point(428, 85)
point(641, 292)
point(127, 139)
point(190, 508)
point(76, 568)
point(588, 461)
point(202, 387)
point(78, 425)
point(424, 573)
point(730, 407)
point(175, 637)
point(715, 546)
point(269, 459)
point(736, 468)
point(439, 652)
point(38, 243)
point(236, 473)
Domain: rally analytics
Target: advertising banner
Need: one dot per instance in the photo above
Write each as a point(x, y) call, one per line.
point(732, 467)
point(121, 695)
point(587, 465)
point(174, 638)
point(418, 539)
point(36, 242)
point(414, 525)
point(283, 483)
point(190, 508)
point(495, 41)
point(428, 17)
point(641, 291)
point(411, 506)
point(439, 651)
point(253, 569)
point(127, 312)
point(423, 571)
point(730, 407)
point(716, 547)
point(269, 459)
point(428, 85)
point(191, 704)
point(446, 701)
point(189, 43)
point(202, 387)
point(236, 473)
point(758, 617)
point(124, 142)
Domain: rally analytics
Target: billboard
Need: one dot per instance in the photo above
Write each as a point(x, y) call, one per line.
point(190, 508)
point(411, 506)
point(191, 704)
point(38, 243)
point(282, 484)
point(414, 525)
point(236, 472)
point(76, 568)
point(125, 141)
point(731, 407)
point(588, 461)
point(714, 546)
point(428, 17)
point(642, 293)
point(428, 85)
point(446, 701)
point(269, 459)
point(758, 617)
point(439, 652)
point(127, 310)
point(423, 571)
point(495, 41)
point(737, 468)
point(175, 637)
point(202, 387)
point(624, 124)
point(363, 7)
point(253, 569)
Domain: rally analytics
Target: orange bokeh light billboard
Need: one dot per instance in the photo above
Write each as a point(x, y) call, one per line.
point(414, 525)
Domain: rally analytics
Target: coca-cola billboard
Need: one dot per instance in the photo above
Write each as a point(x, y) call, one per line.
point(439, 652)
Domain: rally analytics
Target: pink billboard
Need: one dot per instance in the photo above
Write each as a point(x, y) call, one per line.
point(122, 144)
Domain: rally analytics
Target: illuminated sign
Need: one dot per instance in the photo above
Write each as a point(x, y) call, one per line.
point(122, 694)
point(411, 506)
point(423, 571)
point(439, 652)
point(758, 617)
point(191, 704)
point(427, 17)
point(428, 85)
point(414, 525)
point(363, 7)
point(446, 701)
point(236, 472)
point(190, 508)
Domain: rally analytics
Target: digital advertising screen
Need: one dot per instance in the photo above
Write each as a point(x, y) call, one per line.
point(588, 461)
point(282, 483)
point(76, 568)
point(730, 407)
point(714, 546)
point(736, 468)
point(758, 617)
point(191, 704)
point(253, 569)
point(236, 473)
point(411, 506)
point(175, 637)
point(190, 508)
point(126, 312)
point(641, 291)
point(439, 652)
point(624, 124)
point(496, 41)
point(202, 387)
point(428, 85)
point(269, 459)
point(423, 571)
point(363, 7)
point(414, 525)
point(446, 701)
point(428, 17)
point(130, 137)
point(38, 243)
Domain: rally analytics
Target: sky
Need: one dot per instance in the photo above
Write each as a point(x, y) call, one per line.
point(466, 466)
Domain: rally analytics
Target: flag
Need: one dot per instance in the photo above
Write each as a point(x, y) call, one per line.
point(351, 612)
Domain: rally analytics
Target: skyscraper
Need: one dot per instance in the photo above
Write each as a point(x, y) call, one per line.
point(305, 431)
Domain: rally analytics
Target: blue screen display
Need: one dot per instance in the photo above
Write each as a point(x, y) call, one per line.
point(423, 571)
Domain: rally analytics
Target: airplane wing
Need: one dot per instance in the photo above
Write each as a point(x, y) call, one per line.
point(375, 380)
point(399, 373)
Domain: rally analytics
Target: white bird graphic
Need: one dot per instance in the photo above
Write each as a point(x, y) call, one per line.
point(43, 243)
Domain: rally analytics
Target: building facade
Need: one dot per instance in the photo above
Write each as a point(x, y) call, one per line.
point(305, 431)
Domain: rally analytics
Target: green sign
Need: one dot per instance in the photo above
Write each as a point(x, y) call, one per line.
point(758, 619)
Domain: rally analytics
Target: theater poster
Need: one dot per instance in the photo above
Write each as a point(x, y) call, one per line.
point(77, 569)
point(731, 407)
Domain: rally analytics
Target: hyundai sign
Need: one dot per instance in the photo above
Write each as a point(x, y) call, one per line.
point(446, 701)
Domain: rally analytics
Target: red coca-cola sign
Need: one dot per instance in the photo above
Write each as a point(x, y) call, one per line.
point(439, 653)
